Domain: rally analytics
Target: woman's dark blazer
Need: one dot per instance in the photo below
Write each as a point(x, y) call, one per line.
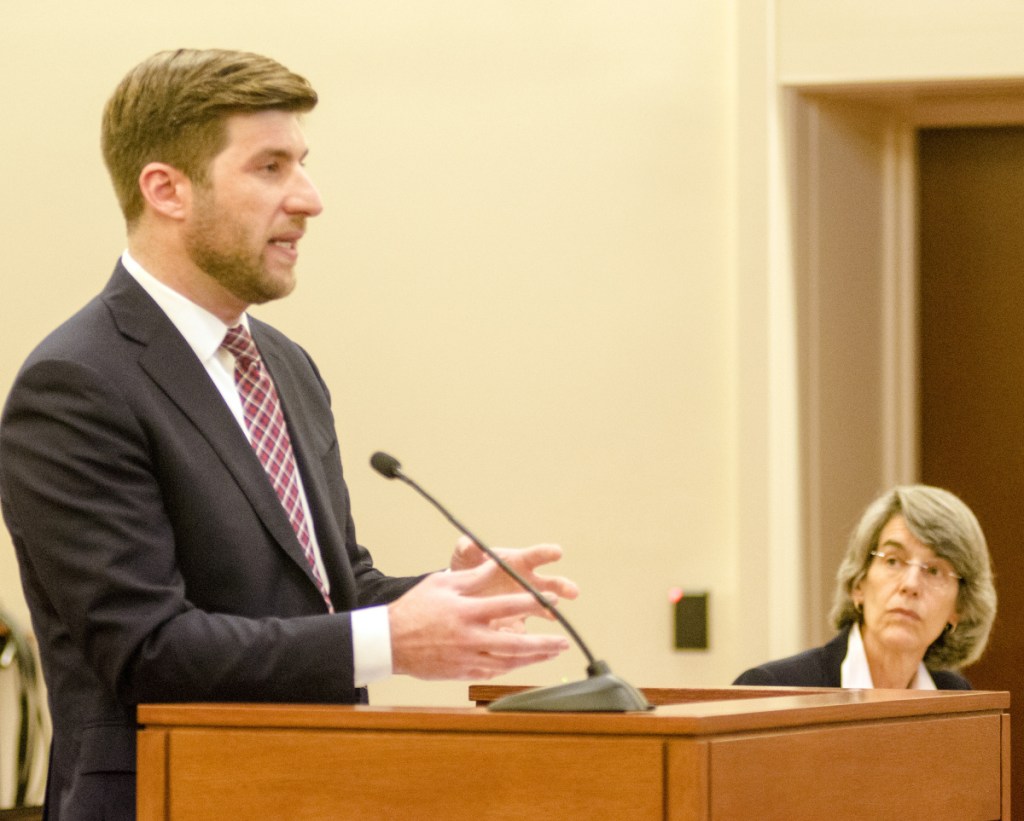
point(820, 667)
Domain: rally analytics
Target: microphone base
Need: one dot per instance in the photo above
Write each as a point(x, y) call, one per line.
point(601, 692)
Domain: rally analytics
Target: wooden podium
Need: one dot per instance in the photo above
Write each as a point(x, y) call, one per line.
point(736, 753)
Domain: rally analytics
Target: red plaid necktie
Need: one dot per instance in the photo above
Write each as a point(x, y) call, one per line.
point(269, 436)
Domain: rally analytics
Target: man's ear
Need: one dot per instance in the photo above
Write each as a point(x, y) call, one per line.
point(166, 190)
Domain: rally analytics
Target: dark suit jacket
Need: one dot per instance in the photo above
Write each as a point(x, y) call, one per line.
point(820, 667)
point(156, 560)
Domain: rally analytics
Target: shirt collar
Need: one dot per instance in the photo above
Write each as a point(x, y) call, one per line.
point(856, 673)
point(203, 331)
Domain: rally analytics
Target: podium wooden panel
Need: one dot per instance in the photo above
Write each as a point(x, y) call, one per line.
point(735, 753)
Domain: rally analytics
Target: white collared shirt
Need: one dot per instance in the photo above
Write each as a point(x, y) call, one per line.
point(856, 673)
point(204, 332)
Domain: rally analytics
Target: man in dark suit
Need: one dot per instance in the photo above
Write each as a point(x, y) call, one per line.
point(166, 551)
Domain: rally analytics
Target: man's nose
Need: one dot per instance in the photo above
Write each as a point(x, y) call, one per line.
point(304, 197)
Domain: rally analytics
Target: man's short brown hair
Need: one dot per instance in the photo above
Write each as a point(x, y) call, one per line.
point(172, 108)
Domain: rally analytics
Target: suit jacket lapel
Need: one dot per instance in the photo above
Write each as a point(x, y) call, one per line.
point(832, 655)
point(311, 442)
point(174, 368)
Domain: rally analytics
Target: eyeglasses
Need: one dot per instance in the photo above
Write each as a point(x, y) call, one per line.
point(936, 575)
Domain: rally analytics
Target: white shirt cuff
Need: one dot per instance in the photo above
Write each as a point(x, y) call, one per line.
point(371, 644)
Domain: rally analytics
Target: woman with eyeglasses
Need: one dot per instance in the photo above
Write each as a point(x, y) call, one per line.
point(914, 600)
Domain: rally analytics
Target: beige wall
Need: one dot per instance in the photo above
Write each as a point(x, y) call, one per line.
point(521, 284)
point(898, 40)
point(553, 276)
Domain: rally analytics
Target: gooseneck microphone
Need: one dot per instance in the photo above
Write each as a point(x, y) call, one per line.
point(389, 467)
point(601, 691)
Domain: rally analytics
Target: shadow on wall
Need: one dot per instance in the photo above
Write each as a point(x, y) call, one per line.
point(24, 725)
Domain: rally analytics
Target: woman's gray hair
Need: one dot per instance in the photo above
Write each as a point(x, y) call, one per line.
point(943, 522)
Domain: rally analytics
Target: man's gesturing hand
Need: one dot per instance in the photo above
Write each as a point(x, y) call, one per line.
point(524, 561)
point(455, 625)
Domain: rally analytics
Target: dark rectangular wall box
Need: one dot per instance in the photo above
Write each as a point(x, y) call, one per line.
point(692, 621)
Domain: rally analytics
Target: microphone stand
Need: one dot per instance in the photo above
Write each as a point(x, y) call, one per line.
point(600, 691)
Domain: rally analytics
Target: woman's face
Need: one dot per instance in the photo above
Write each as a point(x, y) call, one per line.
point(905, 607)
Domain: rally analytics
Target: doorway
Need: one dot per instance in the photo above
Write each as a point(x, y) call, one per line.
point(971, 296)
point(908, 248)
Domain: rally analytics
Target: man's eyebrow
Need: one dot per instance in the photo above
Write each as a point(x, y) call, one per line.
point(279, 154)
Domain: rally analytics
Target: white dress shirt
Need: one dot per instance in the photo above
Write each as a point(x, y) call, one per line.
point(856, 673)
